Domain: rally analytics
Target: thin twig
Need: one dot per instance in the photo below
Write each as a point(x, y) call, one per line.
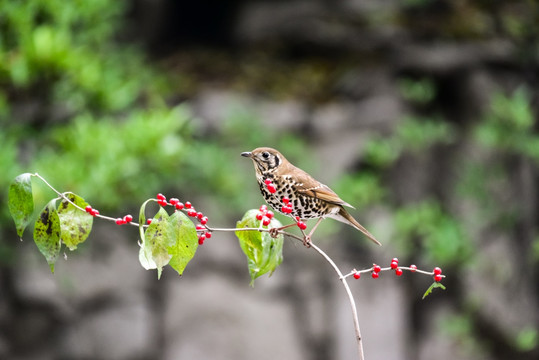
point(350, 298)
point(337, 270)
point(63, 196)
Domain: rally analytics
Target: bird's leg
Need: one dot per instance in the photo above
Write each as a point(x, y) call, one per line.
point(307, 238)
point(275, 231)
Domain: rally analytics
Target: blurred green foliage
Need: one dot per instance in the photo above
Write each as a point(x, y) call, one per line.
point(427, 229)
point(508, 125)
point(421, 91)
point(527, 339)
point(81, 108)
point(442, 238)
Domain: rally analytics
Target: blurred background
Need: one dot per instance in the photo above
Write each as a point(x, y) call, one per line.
point(420, 113)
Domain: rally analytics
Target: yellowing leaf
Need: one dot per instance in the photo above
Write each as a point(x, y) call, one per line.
point(75, 224)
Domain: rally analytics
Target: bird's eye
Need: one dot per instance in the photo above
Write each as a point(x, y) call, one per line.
point(265, 154)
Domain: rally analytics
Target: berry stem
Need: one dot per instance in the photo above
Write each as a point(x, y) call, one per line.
point(371, 269)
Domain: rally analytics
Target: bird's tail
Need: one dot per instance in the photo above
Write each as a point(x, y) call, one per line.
point(345, 217)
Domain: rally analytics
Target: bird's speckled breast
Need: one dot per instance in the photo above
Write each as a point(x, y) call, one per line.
point(306, 207)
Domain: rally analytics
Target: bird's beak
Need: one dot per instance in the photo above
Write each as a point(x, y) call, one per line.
point(247, 154)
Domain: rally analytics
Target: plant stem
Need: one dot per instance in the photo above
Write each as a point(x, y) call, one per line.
point(350, 298)
point(63, 196)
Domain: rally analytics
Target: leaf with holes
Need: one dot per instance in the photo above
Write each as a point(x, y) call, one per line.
point(21, 202)
point(47, 233)
point(75, 224)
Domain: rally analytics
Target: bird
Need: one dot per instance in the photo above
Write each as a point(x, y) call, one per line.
point(282, 183)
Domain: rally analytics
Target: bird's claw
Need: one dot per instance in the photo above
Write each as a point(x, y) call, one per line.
point(274, 232)
point(307, 241)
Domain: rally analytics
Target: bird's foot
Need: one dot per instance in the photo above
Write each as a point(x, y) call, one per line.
point(274, 232)
point(307, 241)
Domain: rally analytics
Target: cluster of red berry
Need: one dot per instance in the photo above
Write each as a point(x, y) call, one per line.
point(270, 186)
point(264, 215)
point(91, 211)
point(287, 207)
point(125, 220)
point(437, 274)
point(203, 234)
point(394, 265)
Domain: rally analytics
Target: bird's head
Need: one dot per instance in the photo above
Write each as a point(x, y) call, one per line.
point(265, 158)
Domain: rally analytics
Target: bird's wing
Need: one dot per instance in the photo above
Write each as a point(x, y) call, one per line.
point(307, 185)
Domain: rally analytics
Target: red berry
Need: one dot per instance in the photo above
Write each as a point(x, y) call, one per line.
point(173, 201)
point(161, 197)
point(94, 212)
point(413, 268)
point(266, 221)
point(437, 271)
point(201, 241)
point(128, 218)
point(200, 215)
point(208, 235)
point(162, 202)
point(188, 205)
point(395, 260)
point(149, 221)
point(267, 181)
point(438, 277)
point(269, 214)
point(376, 268)
point(302, 225)
point(398, 272)
point(272, 189)
point(88, 209)
point(259, 216)
point(263, 208)
point(286, 200)
point(287, 209)
point(357, 275)
point(120, 221)
point(375, 275)
point(200, 227)
point(394, 265)
point(179, 205)
point(204, 220)
point(192, 213)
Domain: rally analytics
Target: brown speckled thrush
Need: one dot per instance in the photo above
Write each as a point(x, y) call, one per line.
point(310, 198)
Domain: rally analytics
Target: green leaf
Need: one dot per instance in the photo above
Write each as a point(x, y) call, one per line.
point(144, 258)
point(263, 252)
point(47, 233)
point(142, 220)
point(75, 224)
point(432, 287)
point(21, 202)
point(153, 253)
point(183, 242)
